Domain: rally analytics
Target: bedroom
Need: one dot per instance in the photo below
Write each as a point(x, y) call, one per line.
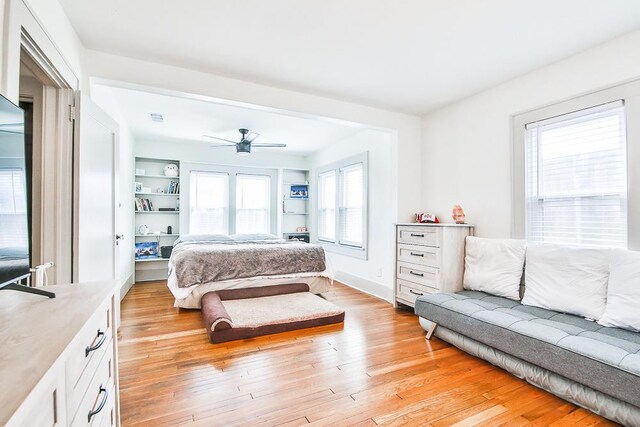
point(429, 114)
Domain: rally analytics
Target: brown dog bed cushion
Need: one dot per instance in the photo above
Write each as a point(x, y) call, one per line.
point(249, 312)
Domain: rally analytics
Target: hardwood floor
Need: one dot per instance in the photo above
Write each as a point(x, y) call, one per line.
point(377, 369)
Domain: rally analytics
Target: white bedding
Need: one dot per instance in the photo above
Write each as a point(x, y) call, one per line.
point(190, 297)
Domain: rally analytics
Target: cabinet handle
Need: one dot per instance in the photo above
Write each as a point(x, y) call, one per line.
point(417, 235)
point(416, 274)
point(415, 254)
point(102, 337)
point(103, 402)
point(416, 293)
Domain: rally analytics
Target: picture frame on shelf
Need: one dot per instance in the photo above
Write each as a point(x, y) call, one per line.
point(146, 250)
point(138, 187)
point(299, 192)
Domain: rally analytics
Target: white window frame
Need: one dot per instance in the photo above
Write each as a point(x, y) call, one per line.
point(629, 93)
point(232, 171)
point(337, 246)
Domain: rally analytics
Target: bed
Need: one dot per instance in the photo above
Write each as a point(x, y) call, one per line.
point(213, 262)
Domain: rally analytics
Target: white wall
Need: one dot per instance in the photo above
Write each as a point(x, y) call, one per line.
point(375, 274)
point(466, 154)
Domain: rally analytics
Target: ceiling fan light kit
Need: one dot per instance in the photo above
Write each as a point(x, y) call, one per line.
point(243, 147)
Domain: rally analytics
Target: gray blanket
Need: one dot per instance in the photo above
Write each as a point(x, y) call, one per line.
point(195, 263)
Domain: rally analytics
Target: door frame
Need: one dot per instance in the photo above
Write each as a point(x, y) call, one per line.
point(23, 32)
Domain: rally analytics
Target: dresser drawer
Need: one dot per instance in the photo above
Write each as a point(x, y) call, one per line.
point(427, 236)
point(409, 292)
point(423, 255)
point(100, 392)
point(420, 274)
point(87, 353)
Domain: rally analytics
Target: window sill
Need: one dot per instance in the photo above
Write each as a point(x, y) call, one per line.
point(359, 253)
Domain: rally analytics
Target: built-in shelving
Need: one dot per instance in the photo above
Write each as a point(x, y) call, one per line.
point(295, 210)
point(154, 179)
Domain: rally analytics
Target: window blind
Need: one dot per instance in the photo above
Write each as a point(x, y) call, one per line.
point(576, 178)
point(209, 203)
point(327, 206)
point(351, 213)
point(13, 209)
point(253, 205)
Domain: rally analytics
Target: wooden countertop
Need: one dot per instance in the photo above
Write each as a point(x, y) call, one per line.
point(35, 331)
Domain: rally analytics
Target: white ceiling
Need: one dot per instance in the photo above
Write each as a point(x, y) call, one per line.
point(409, 55)
point(188, 119)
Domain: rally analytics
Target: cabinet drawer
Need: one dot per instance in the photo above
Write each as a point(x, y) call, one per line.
point(86, 355)
point(420, 274)
point(97, 397)
point(427, 236)
point(408, 292)
point(423, 255)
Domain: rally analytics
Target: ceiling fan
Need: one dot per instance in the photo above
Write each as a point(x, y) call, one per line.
point(243, 147)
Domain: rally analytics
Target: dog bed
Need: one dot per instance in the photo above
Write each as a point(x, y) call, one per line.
point(235, 314)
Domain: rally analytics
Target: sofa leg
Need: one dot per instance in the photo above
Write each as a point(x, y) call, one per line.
point(431, 329)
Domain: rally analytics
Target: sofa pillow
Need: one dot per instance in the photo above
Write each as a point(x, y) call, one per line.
point(623, 293)
point(494, 266)
point(568, 279)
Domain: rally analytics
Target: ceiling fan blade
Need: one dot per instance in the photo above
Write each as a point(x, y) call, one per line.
point(220, 139)
point(269, 145)
point(222, 146)
point(251, 136)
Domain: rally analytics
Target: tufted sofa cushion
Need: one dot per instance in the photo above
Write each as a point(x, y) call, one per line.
point(605, 359)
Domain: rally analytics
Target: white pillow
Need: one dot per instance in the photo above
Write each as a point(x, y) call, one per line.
point(568, 279)
point(494, 266)
point(623, 294)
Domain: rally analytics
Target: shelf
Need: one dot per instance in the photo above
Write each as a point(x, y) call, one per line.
point(177, 178)
point(293, 183)
point(155, 194)
point(152, 259)
point(158, 235)
point(295, 232)
point(305, 199)
point(295, 213)
point(157, 212)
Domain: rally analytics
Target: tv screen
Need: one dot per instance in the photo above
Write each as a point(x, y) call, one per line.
point(14, 230)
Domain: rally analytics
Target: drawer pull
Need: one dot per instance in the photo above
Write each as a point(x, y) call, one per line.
point(416, 293)
point(102, 337)
point(417, 235)
point(103, 402)
point(416, 274)
point(415, 254)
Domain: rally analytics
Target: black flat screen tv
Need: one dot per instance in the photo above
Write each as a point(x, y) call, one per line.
point(14, 225)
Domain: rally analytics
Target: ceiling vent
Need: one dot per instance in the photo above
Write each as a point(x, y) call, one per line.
point(158, 118)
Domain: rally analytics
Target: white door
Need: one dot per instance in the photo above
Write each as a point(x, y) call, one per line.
point(95, 244)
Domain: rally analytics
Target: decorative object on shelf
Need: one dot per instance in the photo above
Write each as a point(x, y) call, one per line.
point(140, 172)
point(165, 251)
point(138, 187)
point(427, 218)
point(299, 192)
point(301, 229)
point(143, 229)
point(169, 230)
point(458, 214)
point(146, 190)
point(167, 209)
point(146, 250)
point(171, 170)
point(178, 204)
point(160, 190)
point(299, 237)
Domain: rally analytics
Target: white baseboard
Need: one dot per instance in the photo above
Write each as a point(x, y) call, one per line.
point(125, 286)
point(367, 286)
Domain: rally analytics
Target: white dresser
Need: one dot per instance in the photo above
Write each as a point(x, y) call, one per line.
point(429, 259)
point(59, 359)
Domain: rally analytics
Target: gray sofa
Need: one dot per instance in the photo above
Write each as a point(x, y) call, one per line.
point(593, 366)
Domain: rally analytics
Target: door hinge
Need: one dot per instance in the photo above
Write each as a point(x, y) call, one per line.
point(72, 113)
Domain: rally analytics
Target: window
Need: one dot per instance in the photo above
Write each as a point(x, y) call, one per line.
point(13, 209)
point(327, 206)
point(576, 178)
point(342, 202)
point(253, 204)
point(209, 203)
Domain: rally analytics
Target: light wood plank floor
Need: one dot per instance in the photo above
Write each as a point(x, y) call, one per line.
point(377, 369)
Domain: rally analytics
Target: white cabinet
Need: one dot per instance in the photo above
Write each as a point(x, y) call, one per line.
point(429, 259)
